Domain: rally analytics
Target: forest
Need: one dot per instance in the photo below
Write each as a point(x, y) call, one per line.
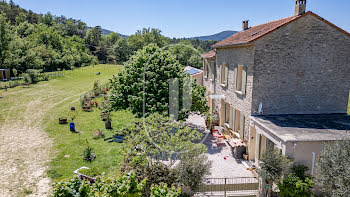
point(49, 43)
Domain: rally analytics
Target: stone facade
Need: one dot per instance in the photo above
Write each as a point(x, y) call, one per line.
point(302, 68)
point(299, 68)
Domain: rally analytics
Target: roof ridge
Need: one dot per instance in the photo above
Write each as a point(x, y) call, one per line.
point(247, 36)
point(273, 21)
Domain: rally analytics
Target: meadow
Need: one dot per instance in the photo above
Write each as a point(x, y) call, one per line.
point(29, 122)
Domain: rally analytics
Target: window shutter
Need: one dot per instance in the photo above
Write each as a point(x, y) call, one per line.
point(226, 75)
point(241, 126)
point(235, 77)
point(231, 119)
point(220, 73)
point(212, 69)
point(244, 80)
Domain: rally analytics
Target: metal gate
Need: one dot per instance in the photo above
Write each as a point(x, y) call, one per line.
point(240, 186)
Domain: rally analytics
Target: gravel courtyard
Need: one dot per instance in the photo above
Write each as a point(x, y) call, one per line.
point(221, 167)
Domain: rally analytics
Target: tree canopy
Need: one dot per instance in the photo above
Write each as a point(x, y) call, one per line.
point(143, 87)
point(333, 168)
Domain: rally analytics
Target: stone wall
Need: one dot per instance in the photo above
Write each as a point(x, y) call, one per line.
point(236, 56)
point(302, 68)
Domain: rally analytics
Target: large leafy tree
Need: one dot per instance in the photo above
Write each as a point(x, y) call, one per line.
point(143, 87)
point(333, 168)
point(186, 54)
point(146, 36)
point(4, 38)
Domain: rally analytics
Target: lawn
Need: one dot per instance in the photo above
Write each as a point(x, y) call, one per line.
point(45, 102)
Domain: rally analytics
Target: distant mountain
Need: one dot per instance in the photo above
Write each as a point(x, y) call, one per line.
point(106, 32)
point(217, 37)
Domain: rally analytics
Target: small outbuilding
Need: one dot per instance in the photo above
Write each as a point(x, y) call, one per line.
point(5, 74)
point(196, 74)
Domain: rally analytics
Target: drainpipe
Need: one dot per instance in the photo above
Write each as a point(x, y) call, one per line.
point(313, 163)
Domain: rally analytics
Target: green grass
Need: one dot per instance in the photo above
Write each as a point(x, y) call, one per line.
point(56, 97)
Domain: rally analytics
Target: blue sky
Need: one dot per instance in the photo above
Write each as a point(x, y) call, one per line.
point(185, 18)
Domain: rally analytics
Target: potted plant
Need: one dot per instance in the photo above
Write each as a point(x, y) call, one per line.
point(108, 120)
point(208, 120)
point(72, 115)
point(63, 120)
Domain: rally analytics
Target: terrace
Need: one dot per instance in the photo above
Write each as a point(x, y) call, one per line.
point(224, 164)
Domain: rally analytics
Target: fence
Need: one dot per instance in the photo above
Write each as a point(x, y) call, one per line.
point(240, 186)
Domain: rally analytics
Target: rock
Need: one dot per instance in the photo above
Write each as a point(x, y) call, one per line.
point(98, 134)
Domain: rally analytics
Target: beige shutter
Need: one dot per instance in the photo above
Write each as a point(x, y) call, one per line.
point(220, 73)
point(231, 119)
point(226, 75)
point(235, 77)
point(241, 126)
point(244, 80)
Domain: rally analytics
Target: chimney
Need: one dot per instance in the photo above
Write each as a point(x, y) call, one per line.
point(300, 7)
point(245, 25)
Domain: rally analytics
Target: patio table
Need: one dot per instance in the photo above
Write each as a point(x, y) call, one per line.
point(218, 135)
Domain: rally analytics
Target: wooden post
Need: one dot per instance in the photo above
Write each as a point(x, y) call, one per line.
point(225, 187)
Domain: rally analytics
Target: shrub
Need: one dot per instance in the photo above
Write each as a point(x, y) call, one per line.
point(191, 171)
point(97, 88)
point(273, 164)
point(300, 170)
point(34, 75)
point(71, 188)
point(27, 79)
point(162, 190)
point(293, 186)
point(126, 185)
point(89, 154)
point(333, 168)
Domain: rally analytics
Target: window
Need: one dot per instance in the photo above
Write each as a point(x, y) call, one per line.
point(224, 74)
point(240, 79)
point(238, 121)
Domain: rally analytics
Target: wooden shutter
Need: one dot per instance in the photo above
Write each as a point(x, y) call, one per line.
point(235, 77)
point(241, 126)
point(212, 69)
point(220, 73)
point(244, 80)
point(231, 119)
point(226, 75)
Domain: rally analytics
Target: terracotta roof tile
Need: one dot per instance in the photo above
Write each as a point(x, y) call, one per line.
point(210, 54)
point(256, 32)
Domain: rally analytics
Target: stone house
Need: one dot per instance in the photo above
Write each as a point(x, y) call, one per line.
point(297, 65)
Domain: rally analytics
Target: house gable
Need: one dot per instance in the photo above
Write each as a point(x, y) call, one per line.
point(256, 32)
point(302, 68)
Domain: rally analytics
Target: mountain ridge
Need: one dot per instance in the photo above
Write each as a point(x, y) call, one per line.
point(216, 37)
